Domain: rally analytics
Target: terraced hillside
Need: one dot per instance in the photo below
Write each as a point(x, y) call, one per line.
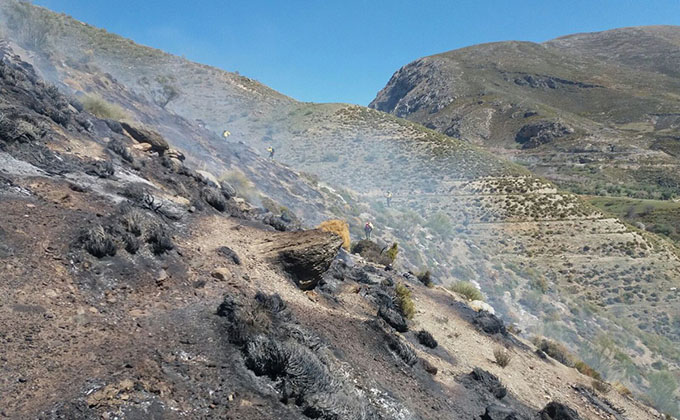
point(543, 258)
point(597, 113)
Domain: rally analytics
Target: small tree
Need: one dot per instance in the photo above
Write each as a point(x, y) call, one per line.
point(392, 252)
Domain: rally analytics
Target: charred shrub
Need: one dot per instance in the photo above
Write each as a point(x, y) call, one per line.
point(393, 318)
point(118, 147)
point(214, 197)
point(401, 349)
point(131, 243)
point(558, 411)
point(372, 252)
point(133, 220)
point(227, 190)
point(159, 240)
point(426, 278)
point(487, 381)
point(274, 346)
point(426, 339)
point(134, 192)
point(101, 168)
point(98, 242)
point(16, 129)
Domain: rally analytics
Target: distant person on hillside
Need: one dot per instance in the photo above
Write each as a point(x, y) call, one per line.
point(226, 134)
point(368, 228)
point(271, 152)
point(388, 196)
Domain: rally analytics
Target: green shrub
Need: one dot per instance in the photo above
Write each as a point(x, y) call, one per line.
point(99, 107)
point(468, 290)
point(404, 301)
point(392, 252)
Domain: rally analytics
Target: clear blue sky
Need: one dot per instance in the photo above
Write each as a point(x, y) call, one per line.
point(346, 50)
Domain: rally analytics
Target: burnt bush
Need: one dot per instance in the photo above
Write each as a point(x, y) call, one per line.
point(426, 339)
point(118, 147)
point(133, 220)
point(426, 278)
point(134, 192)
point(227, 190)
point(558, 411)
point(16, 129)
point(215, 198)
point(487, 381)
point(393, 318)
point(490, 323)
point(101, 168)
point(98, 242)
point(401, 349)
point(159, 240)
point(372, 252)
point(274, 346)
point(131, 243)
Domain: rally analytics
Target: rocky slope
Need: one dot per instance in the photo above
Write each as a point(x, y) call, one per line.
point(133, 287)
point(543, 258)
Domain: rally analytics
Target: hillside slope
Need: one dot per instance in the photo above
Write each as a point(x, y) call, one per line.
point(134, 288)
point(543, 258)
point(597, 113)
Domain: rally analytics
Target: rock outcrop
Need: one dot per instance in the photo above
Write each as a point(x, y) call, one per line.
point(543, 132)
point(142, 135)
point(305, 255)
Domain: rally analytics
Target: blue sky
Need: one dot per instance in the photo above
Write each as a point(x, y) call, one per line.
point(346, 50)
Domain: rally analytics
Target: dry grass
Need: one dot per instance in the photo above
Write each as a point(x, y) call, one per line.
point(601, 386)
point(340, 228)
point(502, 356)
point(101, 108)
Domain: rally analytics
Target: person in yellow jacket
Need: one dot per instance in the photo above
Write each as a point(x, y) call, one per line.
point(271, 151)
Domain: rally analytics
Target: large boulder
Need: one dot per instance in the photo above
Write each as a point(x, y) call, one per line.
point(558, 411)
point(304, 255)
point(142, 135)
